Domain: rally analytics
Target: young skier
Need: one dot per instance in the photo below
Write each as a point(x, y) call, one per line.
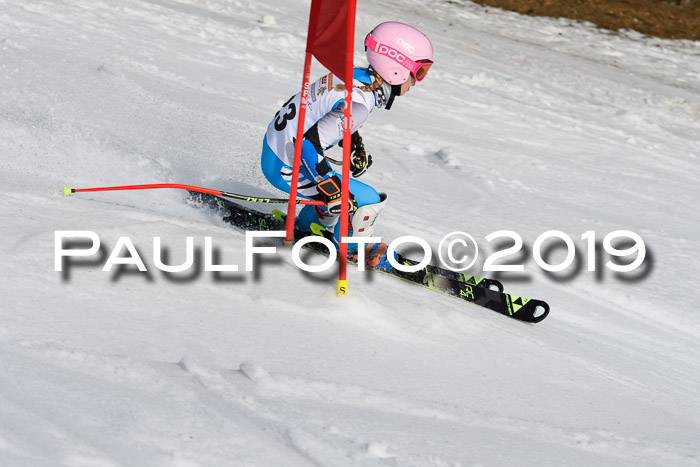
point(398, 55)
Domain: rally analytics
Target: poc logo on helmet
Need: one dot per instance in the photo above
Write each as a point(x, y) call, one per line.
point(389, 52)
point(405, 45)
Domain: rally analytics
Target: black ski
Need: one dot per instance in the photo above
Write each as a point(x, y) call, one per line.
point(484, 292)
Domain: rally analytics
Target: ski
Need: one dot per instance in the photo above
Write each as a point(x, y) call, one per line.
point(251, 219)
point(456, 276)
point(487, 293)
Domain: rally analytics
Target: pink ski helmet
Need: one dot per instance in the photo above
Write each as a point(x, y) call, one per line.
point(396, 50)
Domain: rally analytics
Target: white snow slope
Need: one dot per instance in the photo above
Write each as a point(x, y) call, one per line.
point(524, 124)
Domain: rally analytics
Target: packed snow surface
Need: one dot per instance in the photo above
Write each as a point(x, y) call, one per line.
point(523, 124)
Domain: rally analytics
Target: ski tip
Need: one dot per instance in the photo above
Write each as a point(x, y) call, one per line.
point(67, 191)
point(342, 287)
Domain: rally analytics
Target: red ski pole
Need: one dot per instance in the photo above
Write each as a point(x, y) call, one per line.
point(225, 194)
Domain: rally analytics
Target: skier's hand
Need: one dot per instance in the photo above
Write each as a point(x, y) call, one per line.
point(360, 163)
point(360, 159)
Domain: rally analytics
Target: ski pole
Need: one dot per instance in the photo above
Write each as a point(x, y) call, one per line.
point(253, 199)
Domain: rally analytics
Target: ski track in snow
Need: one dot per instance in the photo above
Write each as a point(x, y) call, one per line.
point(526, 124)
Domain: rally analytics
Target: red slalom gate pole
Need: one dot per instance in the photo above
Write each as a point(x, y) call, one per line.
point(224, 194)
point(291, 210)
point(345, 186)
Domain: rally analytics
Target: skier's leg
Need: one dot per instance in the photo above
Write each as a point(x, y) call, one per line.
point(280, 176)
point(369, 203)
point(314, 168)
point(273, 168)
point(362, 224)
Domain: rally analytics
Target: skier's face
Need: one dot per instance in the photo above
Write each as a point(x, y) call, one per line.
point(410, 82)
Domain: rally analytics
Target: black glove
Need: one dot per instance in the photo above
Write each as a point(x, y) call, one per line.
point(360, 159)
point(360, 163)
